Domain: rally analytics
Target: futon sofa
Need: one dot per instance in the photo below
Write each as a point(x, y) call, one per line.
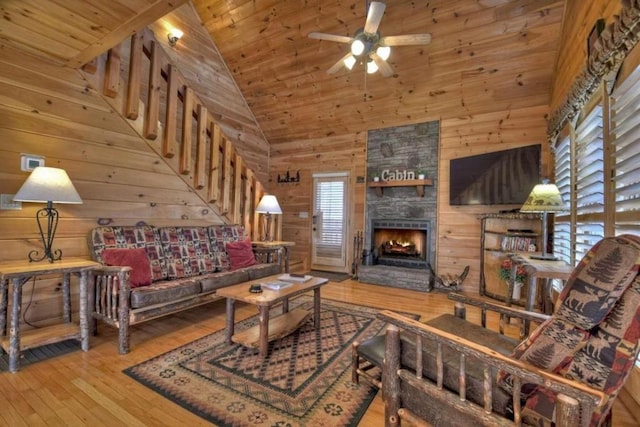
point(149, 272)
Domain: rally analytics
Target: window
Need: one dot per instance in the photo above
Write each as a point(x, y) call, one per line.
point(330, 219)
point(562, 230)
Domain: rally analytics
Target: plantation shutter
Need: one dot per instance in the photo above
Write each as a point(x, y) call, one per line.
point(330, 212)
point(589, 173)
point(562, 222)
point(625, 114)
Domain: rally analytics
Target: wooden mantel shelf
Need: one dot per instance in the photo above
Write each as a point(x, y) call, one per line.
point(418, 183)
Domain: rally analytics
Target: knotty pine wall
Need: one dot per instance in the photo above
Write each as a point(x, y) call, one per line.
point(51, 111)
point(580, 17)
point(458, 234)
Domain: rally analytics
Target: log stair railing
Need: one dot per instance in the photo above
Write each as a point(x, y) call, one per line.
point(156, 99)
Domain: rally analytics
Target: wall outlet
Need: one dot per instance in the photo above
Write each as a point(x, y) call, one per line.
point(7, 203)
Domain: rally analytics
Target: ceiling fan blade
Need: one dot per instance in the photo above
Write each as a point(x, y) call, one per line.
point(383, 67)
point(374, 16)
point(338, 65)
point(406, 40)
point(330, 37)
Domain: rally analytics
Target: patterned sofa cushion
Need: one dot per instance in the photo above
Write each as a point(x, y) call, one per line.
point(220, 235)
point(187, 251)
point(129, 237)
point(164, 292)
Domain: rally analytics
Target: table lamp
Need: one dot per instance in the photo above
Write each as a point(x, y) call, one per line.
point(47, 185)
point(268, 206)
point(544, 198)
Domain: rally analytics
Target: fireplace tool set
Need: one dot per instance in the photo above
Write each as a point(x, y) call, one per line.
point(357, 250)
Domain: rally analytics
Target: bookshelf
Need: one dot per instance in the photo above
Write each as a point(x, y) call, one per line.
point(504, 234)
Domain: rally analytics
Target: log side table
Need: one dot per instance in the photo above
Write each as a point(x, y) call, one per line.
point(276, 244)
point(19, 273)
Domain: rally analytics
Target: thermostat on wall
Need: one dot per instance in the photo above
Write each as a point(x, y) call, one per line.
point(29, 162)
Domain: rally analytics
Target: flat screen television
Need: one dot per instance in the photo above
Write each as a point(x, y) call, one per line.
point(498, 178)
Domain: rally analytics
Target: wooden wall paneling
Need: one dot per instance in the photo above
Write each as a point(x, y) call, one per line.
point(459, 226)
point(152, 106)
point(580, 18)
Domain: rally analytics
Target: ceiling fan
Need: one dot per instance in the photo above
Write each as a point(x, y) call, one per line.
point(368, 46)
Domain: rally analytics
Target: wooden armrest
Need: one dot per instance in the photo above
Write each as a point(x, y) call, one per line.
point(522, 372)
point(109, 270)
point(498, 308)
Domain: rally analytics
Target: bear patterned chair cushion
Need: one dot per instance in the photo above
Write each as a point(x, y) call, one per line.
point(220, 235)
point(187, 251)
point(597, 282)
point(608, 356)
point(130, 237)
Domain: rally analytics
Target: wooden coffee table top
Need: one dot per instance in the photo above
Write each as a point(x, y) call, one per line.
point(240, 292)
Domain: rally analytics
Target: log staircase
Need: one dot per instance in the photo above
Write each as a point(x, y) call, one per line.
point(141, 84)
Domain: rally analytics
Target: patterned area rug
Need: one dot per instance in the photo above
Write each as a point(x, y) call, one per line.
point(305, 380)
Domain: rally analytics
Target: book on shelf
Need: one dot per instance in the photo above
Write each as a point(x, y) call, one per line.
point(276, 285)
point(295, 278)
point(519, 244)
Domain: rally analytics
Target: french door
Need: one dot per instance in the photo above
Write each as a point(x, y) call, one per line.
point(329, 225)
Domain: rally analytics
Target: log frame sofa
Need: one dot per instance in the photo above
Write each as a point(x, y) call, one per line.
point(184, 267)
point(567, 372)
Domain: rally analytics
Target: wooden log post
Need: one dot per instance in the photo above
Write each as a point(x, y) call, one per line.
point(567, 411)
point(354, 362)
point(390, 378)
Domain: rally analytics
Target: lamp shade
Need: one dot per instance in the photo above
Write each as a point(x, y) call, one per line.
point(544, 197)
point(268, 205)
point(48, 185)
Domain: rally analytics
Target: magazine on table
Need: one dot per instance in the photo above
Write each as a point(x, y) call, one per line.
point(276, 285)
point(295, 278)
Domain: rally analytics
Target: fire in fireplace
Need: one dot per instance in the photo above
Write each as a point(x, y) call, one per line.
point(400, 242)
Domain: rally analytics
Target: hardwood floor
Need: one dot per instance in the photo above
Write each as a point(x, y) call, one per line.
point(89, 389)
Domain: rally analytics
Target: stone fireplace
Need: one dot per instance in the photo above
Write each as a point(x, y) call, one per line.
point(399, 242)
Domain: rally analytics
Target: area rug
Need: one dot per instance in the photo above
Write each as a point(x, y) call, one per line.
point(304, 381)
point(331, 275)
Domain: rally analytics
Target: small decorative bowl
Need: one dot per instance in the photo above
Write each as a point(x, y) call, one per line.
point(255, 289)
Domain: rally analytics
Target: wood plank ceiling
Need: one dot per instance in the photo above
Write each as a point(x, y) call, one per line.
point(485, 55)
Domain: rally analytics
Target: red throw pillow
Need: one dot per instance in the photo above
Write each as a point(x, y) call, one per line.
point(136, 259)
point(240, 254)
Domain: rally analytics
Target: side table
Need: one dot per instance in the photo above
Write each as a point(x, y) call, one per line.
point(19, 273)
point(277, 244)
point(538, 269)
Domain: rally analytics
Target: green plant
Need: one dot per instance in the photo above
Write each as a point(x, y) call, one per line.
point(505, 271)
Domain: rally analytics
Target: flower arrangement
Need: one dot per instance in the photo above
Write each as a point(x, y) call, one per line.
point(505, 271)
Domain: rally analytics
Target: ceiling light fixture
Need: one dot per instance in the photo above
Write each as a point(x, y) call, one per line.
point(372, 67)
point(383, 52)
point(350, 61)
point(357, 47)
point(174, 35)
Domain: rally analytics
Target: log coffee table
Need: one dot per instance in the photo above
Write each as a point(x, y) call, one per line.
point(279, 326)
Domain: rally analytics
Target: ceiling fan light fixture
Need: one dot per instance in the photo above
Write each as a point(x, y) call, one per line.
point(350, 61)
point(383, 52)
point(357, 47)
point(372, 67)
